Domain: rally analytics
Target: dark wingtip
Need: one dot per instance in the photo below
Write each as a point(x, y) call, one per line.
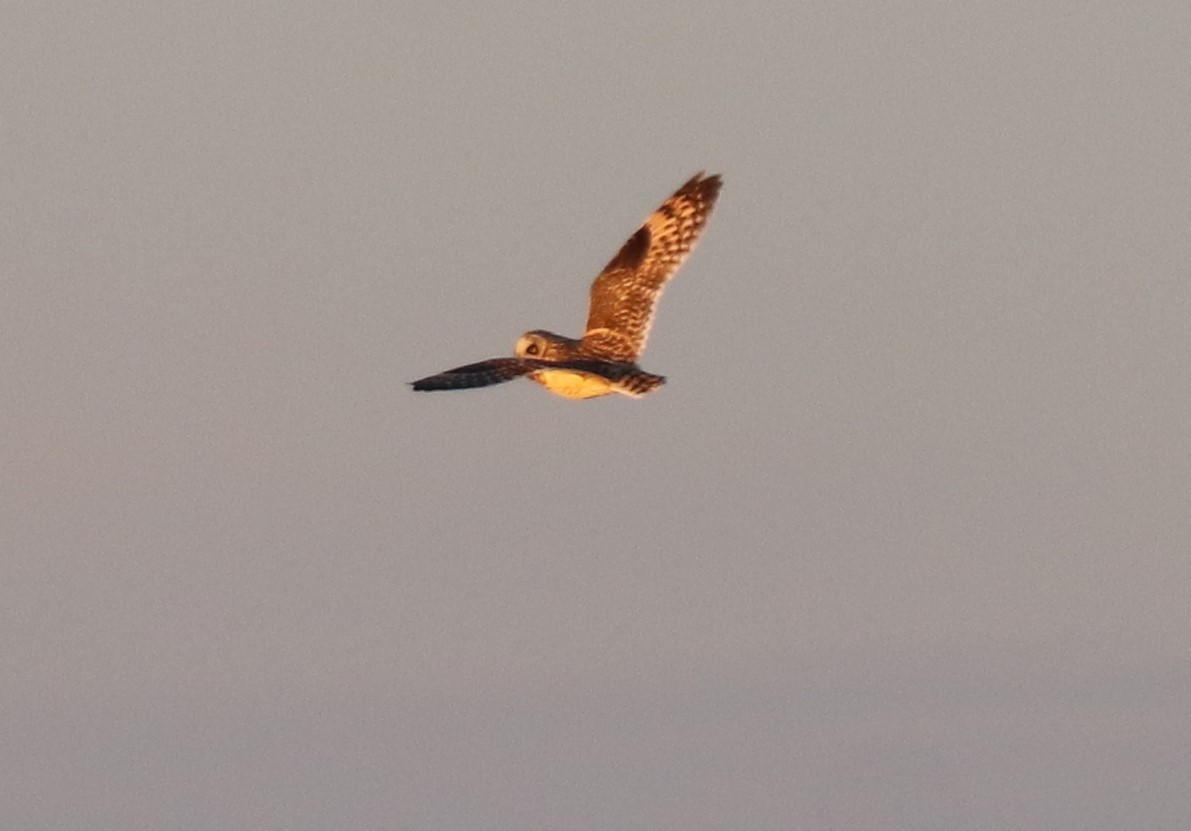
point(704, 178)
point(706, 186)
point(711, 183)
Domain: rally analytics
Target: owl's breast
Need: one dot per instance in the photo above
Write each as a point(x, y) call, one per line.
point(572, 383)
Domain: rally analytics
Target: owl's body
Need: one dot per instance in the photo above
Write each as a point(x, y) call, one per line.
point(624, 299)
point(575, 371)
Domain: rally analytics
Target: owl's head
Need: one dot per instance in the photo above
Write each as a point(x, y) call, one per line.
point(532, 345)
point(545, 346)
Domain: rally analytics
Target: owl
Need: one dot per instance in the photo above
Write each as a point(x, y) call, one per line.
point(624, 299)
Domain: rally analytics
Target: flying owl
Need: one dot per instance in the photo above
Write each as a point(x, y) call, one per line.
point(624, 298)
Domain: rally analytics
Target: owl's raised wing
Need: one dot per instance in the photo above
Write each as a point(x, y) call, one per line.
point(625, 295)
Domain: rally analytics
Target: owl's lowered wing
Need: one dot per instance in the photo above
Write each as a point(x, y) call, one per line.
point(624, 296)
point(498, 370)
point(481, 374)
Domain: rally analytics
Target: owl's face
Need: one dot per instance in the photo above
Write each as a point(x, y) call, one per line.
point(546, 346)
point(532, 345)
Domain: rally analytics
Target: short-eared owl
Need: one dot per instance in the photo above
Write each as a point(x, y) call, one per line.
point(624, 298)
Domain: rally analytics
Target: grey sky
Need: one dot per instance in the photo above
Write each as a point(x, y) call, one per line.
point(903, 542)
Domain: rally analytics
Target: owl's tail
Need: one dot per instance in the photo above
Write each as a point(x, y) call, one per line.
point(639, 383)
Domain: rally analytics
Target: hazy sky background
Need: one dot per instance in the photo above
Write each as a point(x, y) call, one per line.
point(904, 543)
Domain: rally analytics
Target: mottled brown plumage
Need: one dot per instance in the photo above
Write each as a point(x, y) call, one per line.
point(624, 300)
point(625, 296)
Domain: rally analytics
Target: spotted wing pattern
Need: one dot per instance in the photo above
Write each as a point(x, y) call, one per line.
point(482, 374)
point(624, 296)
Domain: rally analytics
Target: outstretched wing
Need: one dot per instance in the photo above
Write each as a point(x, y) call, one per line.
point(482, 374)
point(498, 370)
point(625, 295)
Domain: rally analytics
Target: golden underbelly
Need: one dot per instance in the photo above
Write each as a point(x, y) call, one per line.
point(570, 383)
